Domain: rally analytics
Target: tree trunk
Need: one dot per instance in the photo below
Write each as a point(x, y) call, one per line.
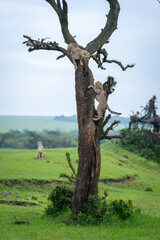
point(88, 141)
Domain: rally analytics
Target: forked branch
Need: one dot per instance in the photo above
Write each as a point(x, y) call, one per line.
point(111, 24)
point(62, 12)
point(106, 32)
point(104, 134)
point(95, 46)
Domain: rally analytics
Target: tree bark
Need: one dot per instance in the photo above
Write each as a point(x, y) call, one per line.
point(88, 141)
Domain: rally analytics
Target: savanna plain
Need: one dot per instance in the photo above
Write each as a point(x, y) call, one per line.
point(25, 184)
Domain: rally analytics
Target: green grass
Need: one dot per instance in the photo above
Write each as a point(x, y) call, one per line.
point(116, 164)
point(20, 164)
point(42, 227)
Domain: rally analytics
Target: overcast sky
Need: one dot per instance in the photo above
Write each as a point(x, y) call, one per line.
point(37, 84)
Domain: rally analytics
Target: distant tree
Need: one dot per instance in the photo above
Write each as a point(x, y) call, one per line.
point(141, 141)
point(32, 139)
point(148, 115)
point(90, 130)
point(29, 139)
point(2, 139)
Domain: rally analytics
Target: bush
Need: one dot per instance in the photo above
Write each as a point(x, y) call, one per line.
point(148, 189)
point(122, 209)
point(96, 210)
point(99, 210)
point(61, 200)
point(141, 141)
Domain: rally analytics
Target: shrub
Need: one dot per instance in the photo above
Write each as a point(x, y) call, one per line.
point(122, 209)
point(148, 189)
point(61, 200)
point(95, 211)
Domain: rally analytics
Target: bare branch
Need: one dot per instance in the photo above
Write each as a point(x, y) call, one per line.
point(110, 27)
point(111, 127)
point(70, 178)
point(104, 135)
point(101, 57)
point(106, 120)
point(54, 5)
point(98, 62)
point(111, 137)
point(59, 4)
point(120, 64)
point(62, 12)
point(43, 45)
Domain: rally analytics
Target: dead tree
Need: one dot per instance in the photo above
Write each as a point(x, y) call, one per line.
point(135, 118)
point(150, 109)
point(90, 131)
point(147, 116)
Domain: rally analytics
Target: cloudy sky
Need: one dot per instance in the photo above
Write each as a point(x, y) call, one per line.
point(37, 84)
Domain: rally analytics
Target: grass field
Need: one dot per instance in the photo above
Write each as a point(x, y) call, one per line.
point(124, 175)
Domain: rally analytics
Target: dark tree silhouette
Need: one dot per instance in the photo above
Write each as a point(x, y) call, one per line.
point(90, 131)
point(148, 116)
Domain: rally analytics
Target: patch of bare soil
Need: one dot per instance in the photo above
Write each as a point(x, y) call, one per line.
point(118, 180)
point(24, 182)
point(35, 182)
point(18, 203)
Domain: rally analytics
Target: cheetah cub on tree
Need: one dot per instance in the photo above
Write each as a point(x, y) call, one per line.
point(77, 54)
point(102, 97)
